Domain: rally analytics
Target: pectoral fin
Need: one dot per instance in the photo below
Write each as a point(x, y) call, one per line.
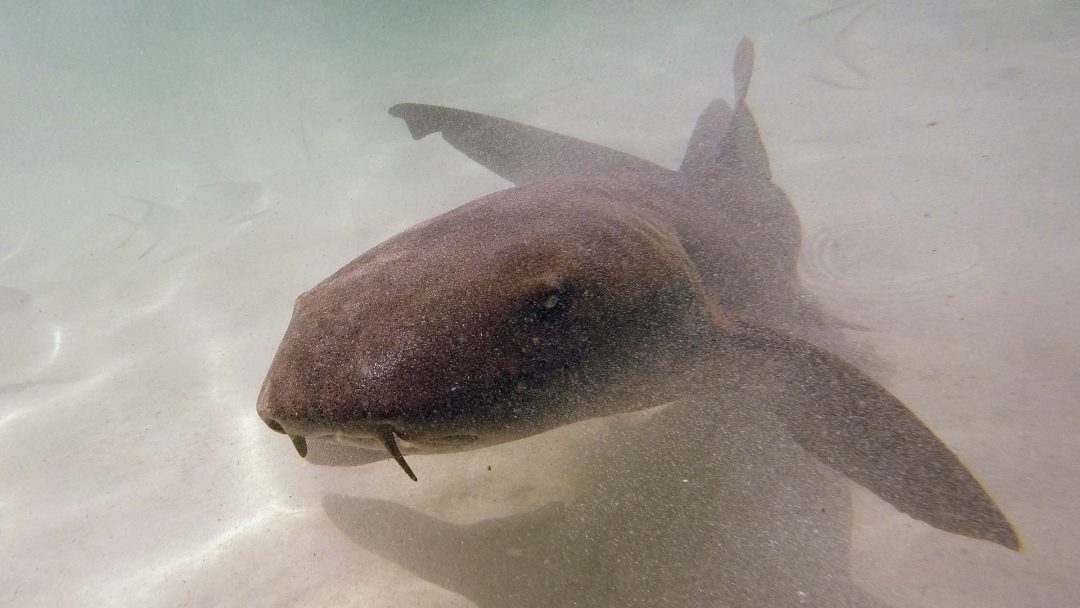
point(517, 152)
point(848, 421)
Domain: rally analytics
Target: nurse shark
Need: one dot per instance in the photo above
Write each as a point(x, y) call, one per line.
point(600, 283)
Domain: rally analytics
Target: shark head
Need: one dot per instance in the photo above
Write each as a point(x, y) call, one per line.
point(517, 313)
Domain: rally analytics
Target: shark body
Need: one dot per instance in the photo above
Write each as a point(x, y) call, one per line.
point(600, 283)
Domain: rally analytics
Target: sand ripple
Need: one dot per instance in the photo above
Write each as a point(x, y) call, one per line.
point(902, 258)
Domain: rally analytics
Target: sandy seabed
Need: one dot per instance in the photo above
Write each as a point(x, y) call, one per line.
point(172, 178)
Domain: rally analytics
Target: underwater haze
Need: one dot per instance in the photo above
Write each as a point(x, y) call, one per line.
point(173, 176)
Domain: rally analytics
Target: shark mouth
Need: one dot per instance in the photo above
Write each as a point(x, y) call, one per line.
point(384, 433)
point(383, 436)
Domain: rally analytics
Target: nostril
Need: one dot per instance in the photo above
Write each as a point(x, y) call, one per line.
point(274, 425)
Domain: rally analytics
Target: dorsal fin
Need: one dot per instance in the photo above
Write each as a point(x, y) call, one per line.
point(518, 152)
point(710, 129)
point(727, 141)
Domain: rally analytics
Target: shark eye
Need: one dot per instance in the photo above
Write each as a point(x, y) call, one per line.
point(550, 304)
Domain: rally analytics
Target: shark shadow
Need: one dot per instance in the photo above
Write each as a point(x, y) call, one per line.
point(668, 512)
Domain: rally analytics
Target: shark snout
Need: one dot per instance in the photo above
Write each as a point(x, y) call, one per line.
point(369, 427)
point(274, 425)
point(383, 432)
point(276, 422)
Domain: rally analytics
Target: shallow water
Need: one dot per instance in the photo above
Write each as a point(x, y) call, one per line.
point(173, 177)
